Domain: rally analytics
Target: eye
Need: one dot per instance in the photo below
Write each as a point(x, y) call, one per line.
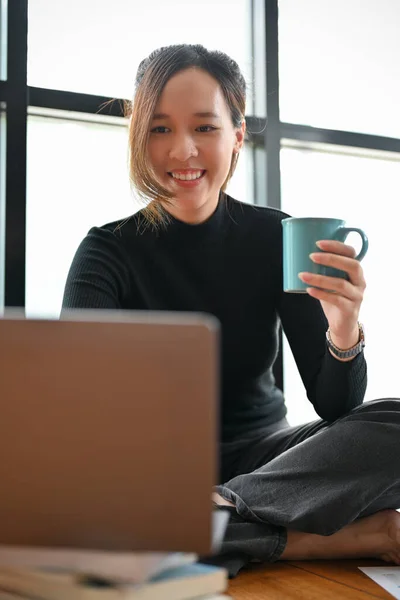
point(206, 128)
point(159, 129)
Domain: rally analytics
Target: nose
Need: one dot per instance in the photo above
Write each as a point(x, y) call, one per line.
point(182, 148)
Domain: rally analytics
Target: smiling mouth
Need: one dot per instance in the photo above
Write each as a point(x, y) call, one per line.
point(192, 176)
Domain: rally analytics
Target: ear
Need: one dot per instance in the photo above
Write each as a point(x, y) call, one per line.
point(240, 135)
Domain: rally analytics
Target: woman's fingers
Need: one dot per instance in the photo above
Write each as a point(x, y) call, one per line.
point(339, 286)
point(336, 248)
point(338, 261)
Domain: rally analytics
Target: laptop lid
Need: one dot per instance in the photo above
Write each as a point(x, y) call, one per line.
point(108, 431)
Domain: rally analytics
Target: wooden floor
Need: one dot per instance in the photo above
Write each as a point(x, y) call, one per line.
point(308, 580)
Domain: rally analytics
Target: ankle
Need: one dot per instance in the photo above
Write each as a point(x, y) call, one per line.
point(220, 500)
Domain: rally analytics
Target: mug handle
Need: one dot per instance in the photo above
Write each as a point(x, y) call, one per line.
point(342, 233)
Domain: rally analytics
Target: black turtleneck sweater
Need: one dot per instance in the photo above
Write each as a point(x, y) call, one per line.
point(229, 266)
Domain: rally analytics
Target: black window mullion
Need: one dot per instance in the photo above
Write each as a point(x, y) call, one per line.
point(3, 99)
point(17, 102)
point(75, 102)
point(272, 134)
point(3, 134)
point(3, 91)
point(352, 139)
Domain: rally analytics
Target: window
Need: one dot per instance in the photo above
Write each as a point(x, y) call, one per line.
point(77, 177)
point(77, 172)
point(95, 47)
point(339, 64)
point(338, 69)
point(363, 190)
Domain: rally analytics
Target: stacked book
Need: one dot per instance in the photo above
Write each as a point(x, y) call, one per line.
point(174, 577)
point(70, 574)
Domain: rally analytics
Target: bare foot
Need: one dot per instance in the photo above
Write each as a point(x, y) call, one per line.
point(393, 555)
point(376, 536)
point(220, 500)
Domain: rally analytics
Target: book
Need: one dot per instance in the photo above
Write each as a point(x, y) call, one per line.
point(12, 596)
point(130, 567)
point(134, 567)
point(178, 583)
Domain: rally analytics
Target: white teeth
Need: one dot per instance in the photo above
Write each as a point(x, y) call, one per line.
point(188, 177)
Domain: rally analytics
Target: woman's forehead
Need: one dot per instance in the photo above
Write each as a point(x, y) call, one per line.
point(193, 92)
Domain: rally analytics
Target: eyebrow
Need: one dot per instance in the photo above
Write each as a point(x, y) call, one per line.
point(206, 114)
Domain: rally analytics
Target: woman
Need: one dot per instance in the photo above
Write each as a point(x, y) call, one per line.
point(321, 490)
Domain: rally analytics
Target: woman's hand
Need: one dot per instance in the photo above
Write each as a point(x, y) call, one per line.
point(340, 298)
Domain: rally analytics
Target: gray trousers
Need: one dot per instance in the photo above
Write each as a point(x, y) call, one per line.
point(314, 478)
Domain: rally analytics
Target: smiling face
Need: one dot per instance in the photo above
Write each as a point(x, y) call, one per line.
point(191, 143)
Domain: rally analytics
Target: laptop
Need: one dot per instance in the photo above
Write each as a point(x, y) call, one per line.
point(108, 432)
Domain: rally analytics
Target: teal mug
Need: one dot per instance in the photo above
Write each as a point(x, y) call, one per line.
point(299, 241)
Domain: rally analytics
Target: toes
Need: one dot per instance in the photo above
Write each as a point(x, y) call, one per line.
point(391, 557)
point(385, 557)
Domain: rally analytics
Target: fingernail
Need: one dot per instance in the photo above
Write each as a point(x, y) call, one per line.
point(314, 255)
point(318, 244)
point(303, 276)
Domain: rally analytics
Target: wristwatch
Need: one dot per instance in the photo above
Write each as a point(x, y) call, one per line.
point(350, 352)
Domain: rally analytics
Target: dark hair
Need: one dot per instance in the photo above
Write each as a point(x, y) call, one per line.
point(152, 75)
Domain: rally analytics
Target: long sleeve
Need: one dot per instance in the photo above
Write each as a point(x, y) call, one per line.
point(333, 387)
point(230, 266)
point(98, 276)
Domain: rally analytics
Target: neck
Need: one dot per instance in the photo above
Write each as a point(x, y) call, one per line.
point(192, 216)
